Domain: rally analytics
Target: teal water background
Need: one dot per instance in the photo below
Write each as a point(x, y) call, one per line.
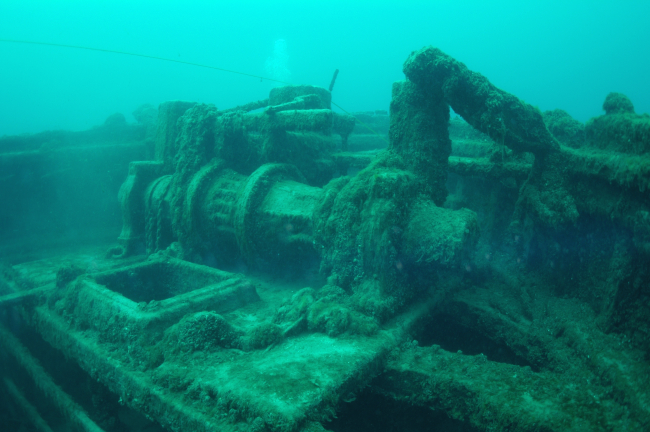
point(553, 54)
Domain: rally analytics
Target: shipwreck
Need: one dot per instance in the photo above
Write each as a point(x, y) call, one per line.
point(283, 267)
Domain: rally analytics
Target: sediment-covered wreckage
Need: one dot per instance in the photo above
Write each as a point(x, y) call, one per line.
point(278, 270)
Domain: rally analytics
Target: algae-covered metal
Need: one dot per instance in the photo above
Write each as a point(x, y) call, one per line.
point(278, 267)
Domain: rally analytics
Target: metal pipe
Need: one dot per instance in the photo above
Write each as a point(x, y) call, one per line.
point(30, 412)
point(69, 408)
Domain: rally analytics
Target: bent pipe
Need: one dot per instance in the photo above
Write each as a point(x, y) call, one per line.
point(499, 114)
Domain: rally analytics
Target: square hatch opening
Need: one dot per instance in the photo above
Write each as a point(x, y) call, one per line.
point(159, 280)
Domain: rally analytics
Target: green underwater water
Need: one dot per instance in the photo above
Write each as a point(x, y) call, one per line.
point(198, 233)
